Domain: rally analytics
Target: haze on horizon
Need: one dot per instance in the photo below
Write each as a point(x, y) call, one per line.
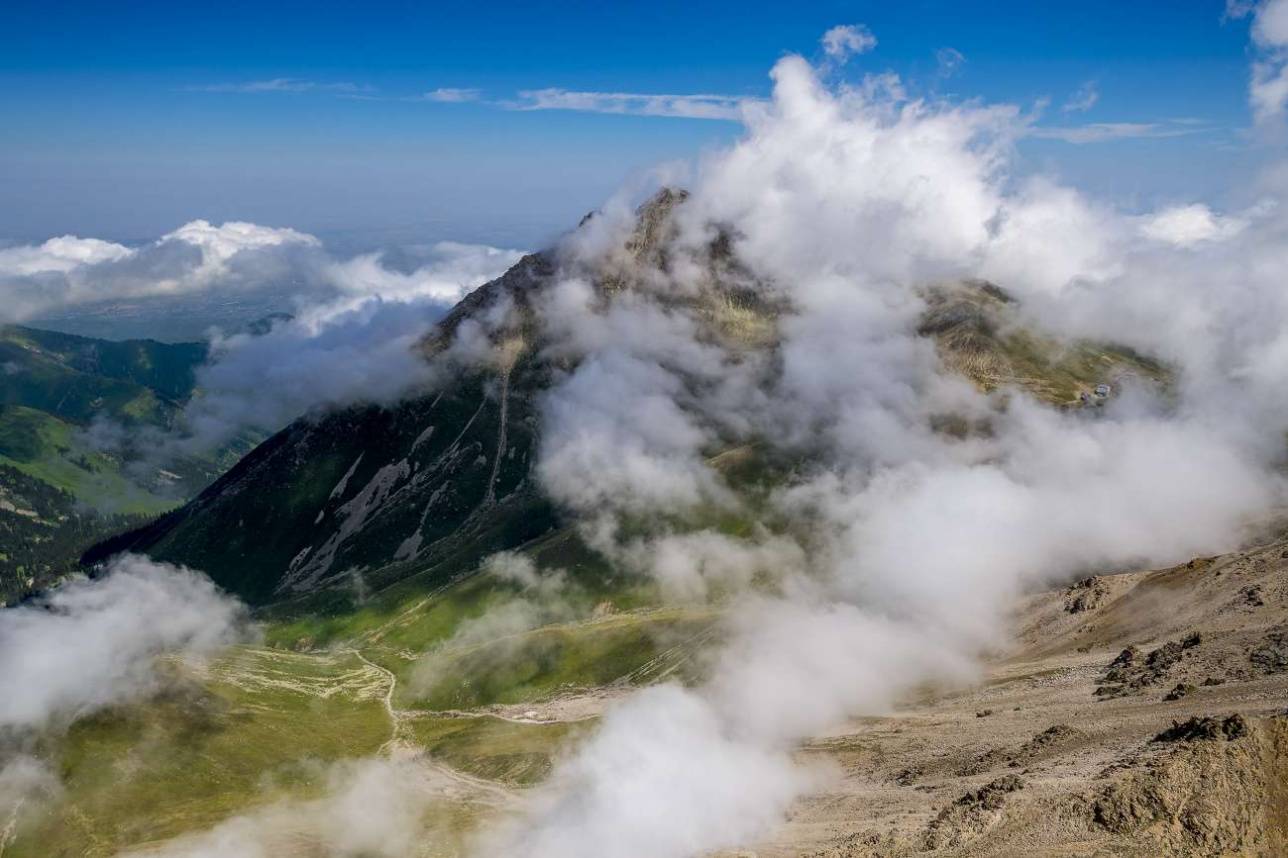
point(375, 125)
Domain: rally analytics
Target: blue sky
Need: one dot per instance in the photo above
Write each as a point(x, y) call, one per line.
point(123, 121)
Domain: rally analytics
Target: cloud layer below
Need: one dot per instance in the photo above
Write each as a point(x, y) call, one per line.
point(350, 338)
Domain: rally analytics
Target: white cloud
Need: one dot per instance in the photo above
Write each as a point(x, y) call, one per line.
point(219, 244)
point(1104, 132)
point(59, 255)
point(708, 791)
point(234, 256)
point(353, 340)
point(694, 106)
point(352, 337)
point(1268, 91)
point(28, 787)
point(1047, 236)
point(1083, 99)
point(92, 643)
point(451, 95)
point(1268, 85)
point(286, 85)
point(1270, 24)
point(67, 271)
point(450, 272)
point(844, 205)
point(846, 40)
point(352, 351)
point(1184, 226)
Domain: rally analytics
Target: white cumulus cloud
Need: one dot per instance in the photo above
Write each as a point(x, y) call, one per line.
point(1187, 225)
point(846, 40)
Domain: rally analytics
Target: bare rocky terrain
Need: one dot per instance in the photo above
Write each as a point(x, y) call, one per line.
point(1139, 714)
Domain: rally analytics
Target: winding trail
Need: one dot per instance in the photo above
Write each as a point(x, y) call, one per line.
point(395, 721)
point(397, 746)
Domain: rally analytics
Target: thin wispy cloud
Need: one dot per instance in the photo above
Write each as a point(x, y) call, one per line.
point(838, 43)
point(949, 61)
point(450, 95)
point(1083, 99)
point(1106, 132)
point(286, 85)
point(685, 106)
point(695, 106)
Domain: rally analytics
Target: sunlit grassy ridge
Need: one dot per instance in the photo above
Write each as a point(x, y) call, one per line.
point(257, 726)
point(413, 614)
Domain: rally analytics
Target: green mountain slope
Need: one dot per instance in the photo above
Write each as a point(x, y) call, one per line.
point(66, 490)
point(78, 378)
